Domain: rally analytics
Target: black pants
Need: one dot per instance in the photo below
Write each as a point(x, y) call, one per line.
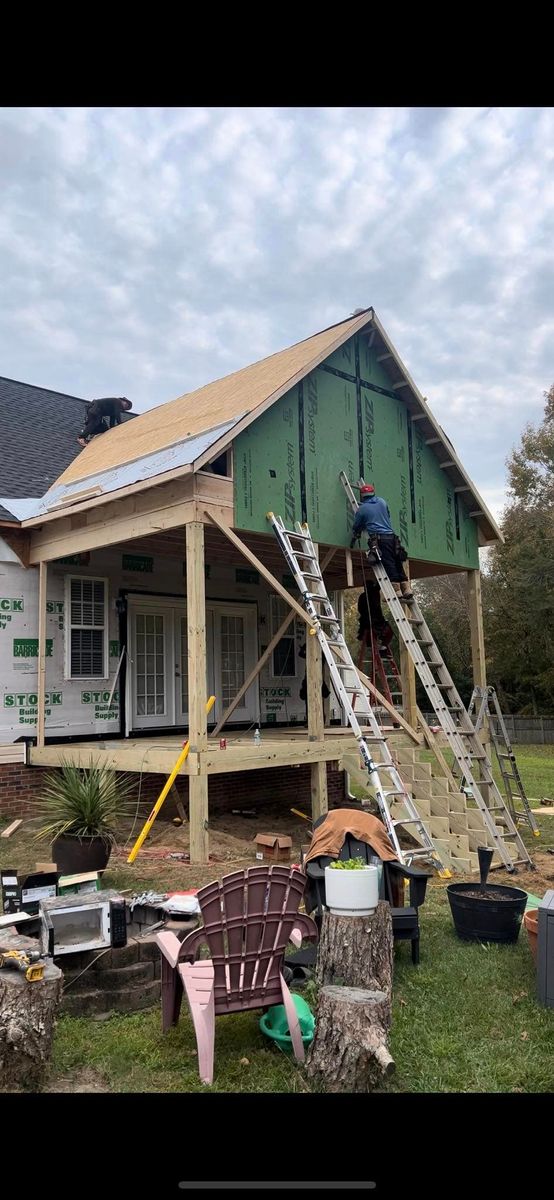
point(389, 559)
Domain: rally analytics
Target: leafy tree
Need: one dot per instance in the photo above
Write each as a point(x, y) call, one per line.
point(520, 586)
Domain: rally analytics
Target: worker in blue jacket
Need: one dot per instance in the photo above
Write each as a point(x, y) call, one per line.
point(373, 517)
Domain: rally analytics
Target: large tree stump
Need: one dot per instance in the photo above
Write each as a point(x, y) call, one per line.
point(349, 1051)
point(27, 1020)
point(357, 951)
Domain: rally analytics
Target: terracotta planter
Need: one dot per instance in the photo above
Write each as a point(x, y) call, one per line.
point(74, 855)
point(531, 922)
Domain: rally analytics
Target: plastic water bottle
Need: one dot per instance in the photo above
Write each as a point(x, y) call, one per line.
point(257, 736)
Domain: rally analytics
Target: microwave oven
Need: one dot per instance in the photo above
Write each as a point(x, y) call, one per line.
point(90, 921)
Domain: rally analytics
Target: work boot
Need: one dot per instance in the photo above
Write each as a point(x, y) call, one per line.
point(407, 594)
point(396, 587)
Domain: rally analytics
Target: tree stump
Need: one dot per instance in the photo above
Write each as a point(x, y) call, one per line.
point(357, 951)
point(349, 1051)
point(27, 1019)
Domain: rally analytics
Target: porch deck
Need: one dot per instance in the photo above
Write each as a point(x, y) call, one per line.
point(157, 754)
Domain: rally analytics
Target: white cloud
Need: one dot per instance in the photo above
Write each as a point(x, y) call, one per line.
point(147, 251)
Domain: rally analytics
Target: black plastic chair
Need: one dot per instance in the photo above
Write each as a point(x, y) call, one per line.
point(405, 920)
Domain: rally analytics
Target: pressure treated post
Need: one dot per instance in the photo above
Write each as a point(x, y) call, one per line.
point(197, 690)
point(408, 678)
point(316, 724)
point(41, 682)
point(476, 628)
point(477, 634)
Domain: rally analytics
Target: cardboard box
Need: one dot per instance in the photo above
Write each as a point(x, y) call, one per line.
point(46, 866)
point(273, 847)
point(73, 884)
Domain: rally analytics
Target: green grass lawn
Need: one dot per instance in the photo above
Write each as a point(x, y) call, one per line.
point(464, 1020)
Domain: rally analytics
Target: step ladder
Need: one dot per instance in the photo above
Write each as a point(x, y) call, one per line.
point(303, 562)
point(484, 702)
point(453, 717)
point(377, 661)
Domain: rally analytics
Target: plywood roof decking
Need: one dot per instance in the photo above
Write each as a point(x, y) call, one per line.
point(211, 405)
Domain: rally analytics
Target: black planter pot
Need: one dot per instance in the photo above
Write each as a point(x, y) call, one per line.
point(73, 855)
point(478, 919)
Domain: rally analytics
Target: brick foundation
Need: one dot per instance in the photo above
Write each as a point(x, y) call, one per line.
point(20, 789)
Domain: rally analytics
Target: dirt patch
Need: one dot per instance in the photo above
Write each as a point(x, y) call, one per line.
point(85, 1080)
point(538, 881)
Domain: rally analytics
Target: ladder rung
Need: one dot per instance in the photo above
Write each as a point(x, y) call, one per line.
point(412, 821)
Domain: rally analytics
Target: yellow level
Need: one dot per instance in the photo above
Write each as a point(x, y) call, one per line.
point(150, 821)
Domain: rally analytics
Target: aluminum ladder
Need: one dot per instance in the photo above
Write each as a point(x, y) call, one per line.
point(468, 750)
point(303, 562)
point(484, 701)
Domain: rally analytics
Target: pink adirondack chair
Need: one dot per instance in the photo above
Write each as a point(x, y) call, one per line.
point(249, 919)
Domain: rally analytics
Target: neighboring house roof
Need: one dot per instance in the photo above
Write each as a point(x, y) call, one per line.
point(39, 431)
point(185, 433)
point(39, 440)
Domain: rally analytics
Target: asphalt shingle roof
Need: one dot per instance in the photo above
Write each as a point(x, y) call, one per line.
point(39, 430)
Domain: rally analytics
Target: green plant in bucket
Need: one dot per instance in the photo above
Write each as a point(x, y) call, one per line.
point(349, 864)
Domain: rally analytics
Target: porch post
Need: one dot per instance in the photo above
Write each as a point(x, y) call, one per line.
point(41, 683)
point(316, 724)
point(477, 634)
point(197, 691)
point(408, 678)
point(476, 628)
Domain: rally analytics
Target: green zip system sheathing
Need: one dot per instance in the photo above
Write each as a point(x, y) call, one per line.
point(345, 416)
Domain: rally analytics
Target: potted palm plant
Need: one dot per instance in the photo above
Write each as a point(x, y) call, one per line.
point(351, 888)
point(81, 808)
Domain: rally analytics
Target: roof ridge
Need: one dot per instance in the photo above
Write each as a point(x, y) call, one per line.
point(38, 388)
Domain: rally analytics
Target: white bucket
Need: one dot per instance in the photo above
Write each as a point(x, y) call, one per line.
point(352, 893)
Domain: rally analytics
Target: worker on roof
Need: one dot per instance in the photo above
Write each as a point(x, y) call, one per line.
point(373, 517)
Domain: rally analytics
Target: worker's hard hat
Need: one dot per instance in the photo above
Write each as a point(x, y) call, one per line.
point(367, 489)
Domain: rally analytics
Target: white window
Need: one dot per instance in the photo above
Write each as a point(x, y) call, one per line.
point(284, 654)
point(87, 628)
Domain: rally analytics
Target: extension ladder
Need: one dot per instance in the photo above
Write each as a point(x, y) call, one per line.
point(453, 717)
point(489, 707)
point(303, 562)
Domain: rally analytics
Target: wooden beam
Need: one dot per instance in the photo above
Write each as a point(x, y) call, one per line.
point(447, 463)
point(401, 383)
point(476, 628)
point(41, 687)
point(349, 570)
point(264, 657)
point(432, 441)
point(166, 507)
point(263, 571)
point(197, 690)
point(478, 654)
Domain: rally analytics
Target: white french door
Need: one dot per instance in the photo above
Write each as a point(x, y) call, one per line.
point(235, 634)
point(158, 665)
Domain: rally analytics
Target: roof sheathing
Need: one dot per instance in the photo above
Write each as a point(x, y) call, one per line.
point(249, 390)
point(112, 463)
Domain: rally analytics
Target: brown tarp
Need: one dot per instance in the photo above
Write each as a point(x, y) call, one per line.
point(329, 837)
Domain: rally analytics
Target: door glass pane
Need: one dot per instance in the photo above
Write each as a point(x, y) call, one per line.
point(232, 658)
point(184, 667)
point(150, 665)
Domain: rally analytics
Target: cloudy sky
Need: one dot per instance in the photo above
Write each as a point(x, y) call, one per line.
point(144, 252)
